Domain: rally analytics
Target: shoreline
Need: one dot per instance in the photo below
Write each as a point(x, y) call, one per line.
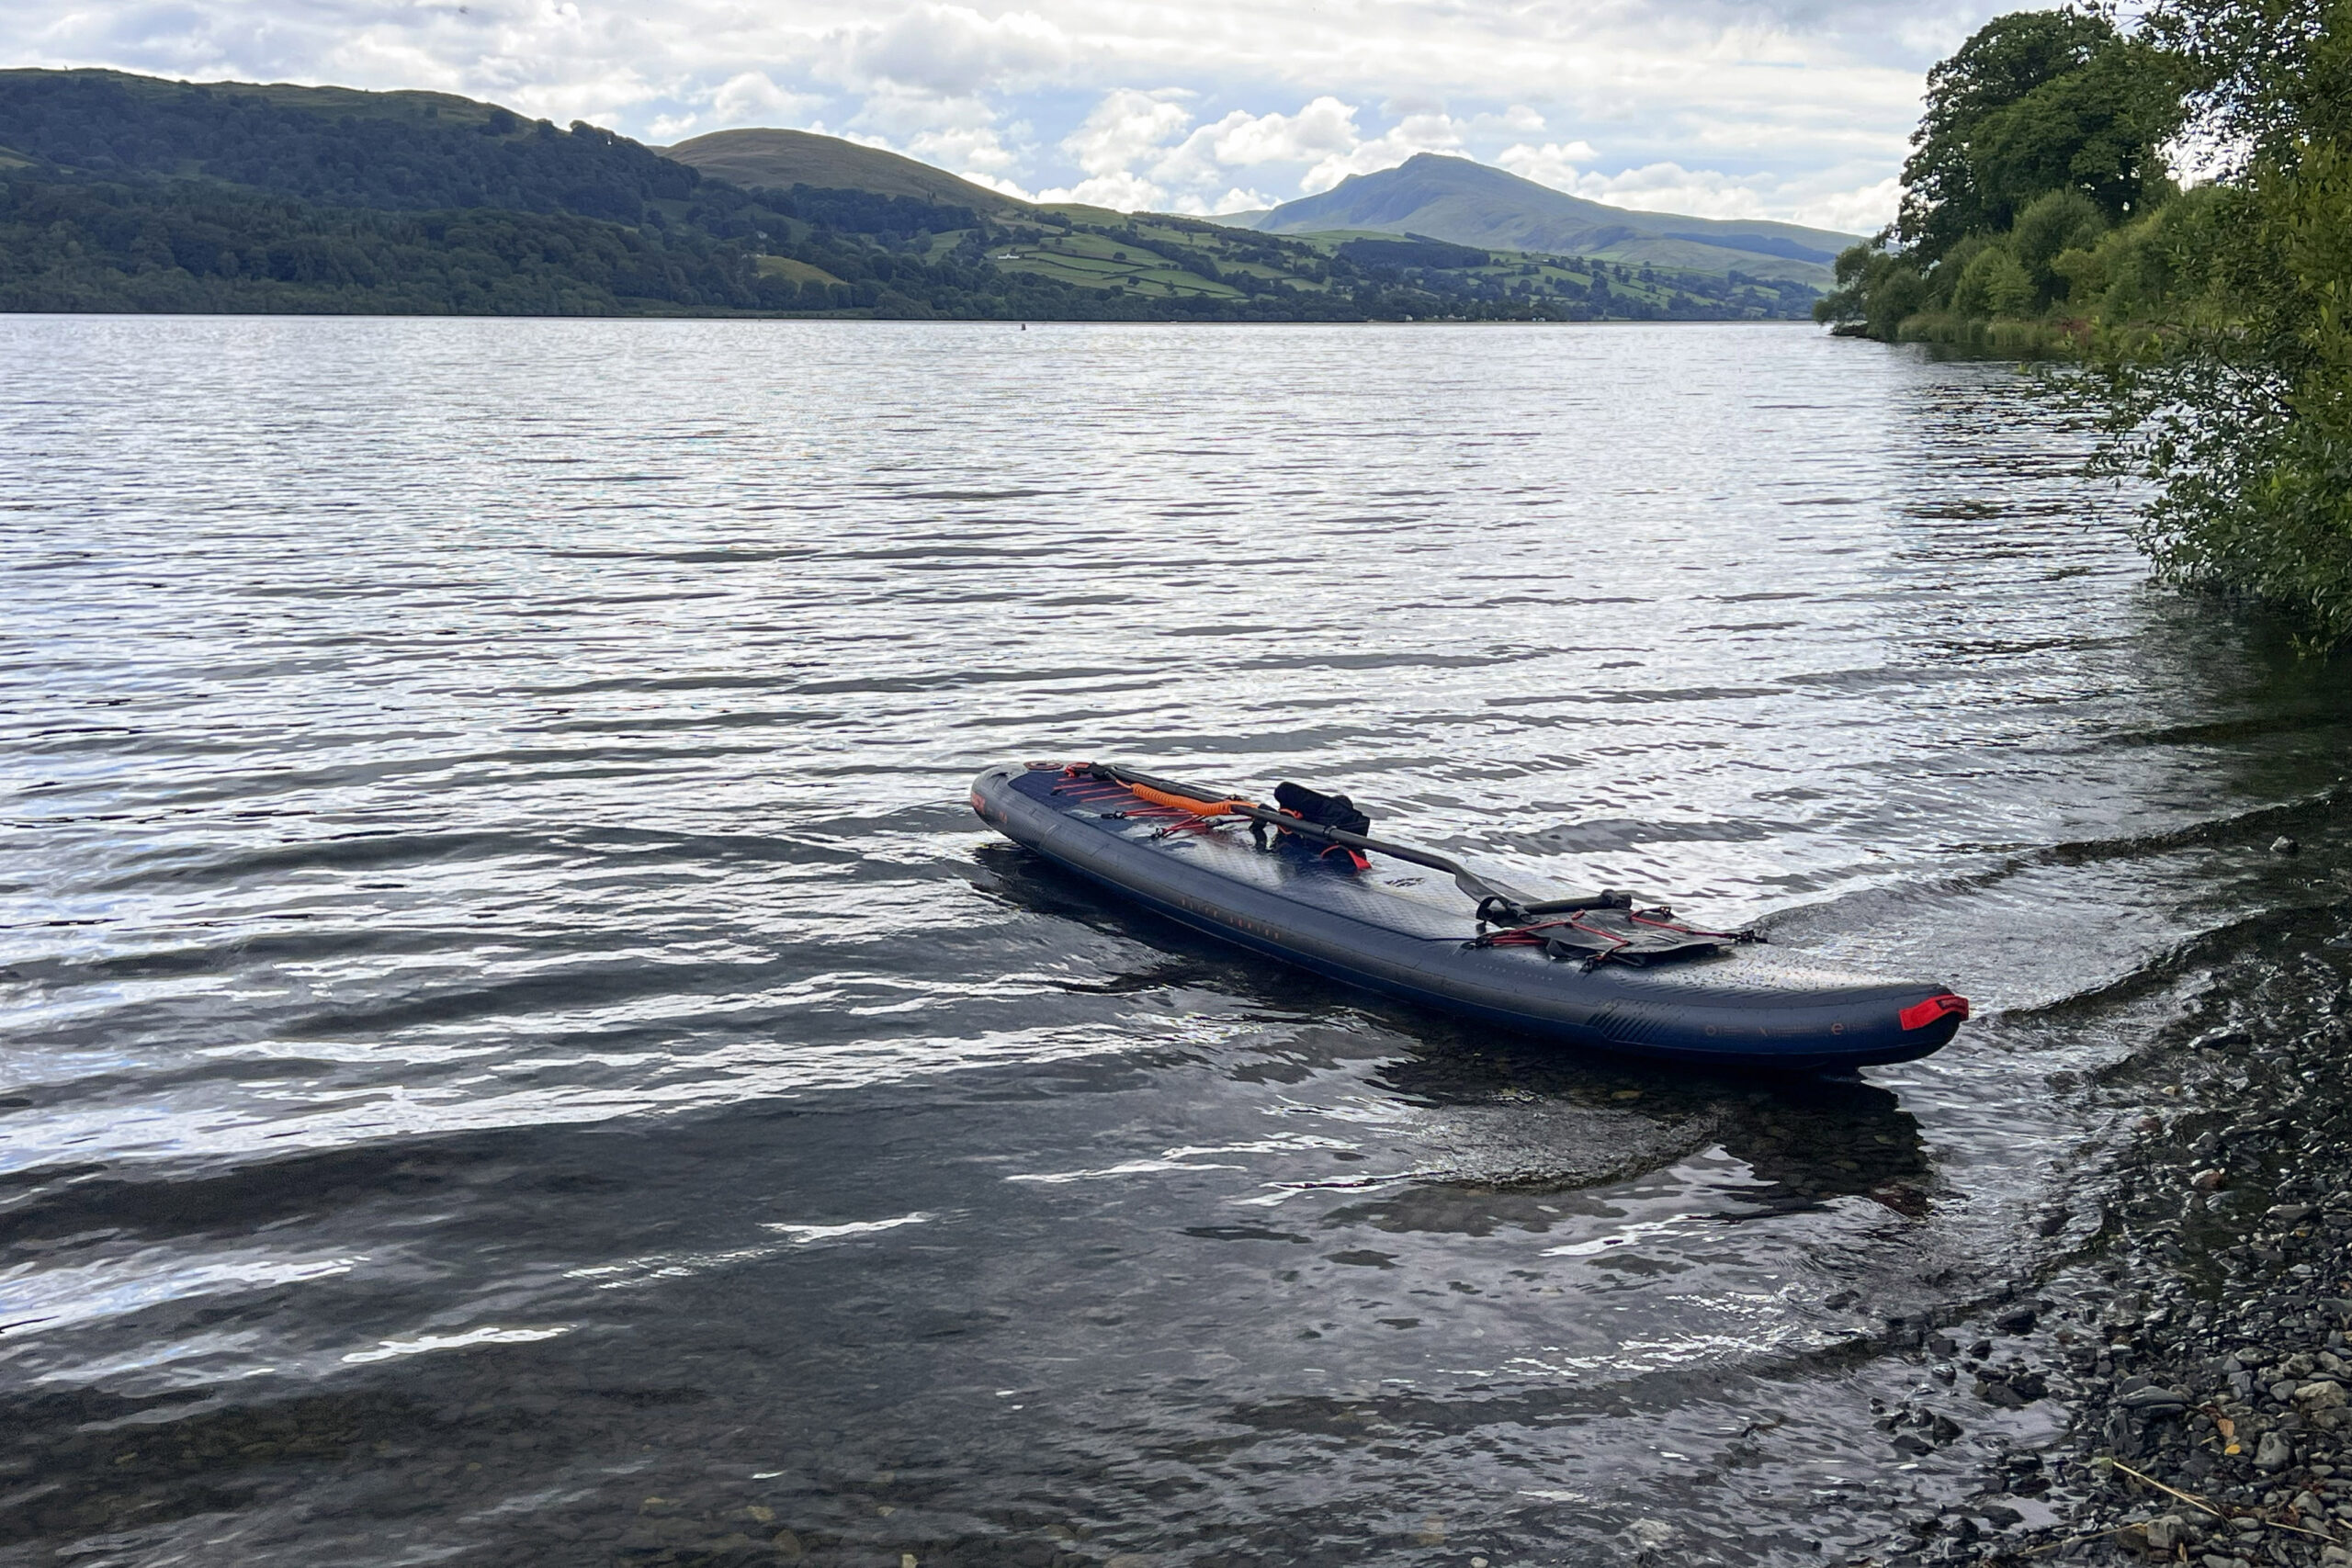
point(2197, 1340)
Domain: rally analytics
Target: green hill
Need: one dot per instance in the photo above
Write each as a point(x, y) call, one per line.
point(1470, 204)
point(401, 151)
point(783, 159)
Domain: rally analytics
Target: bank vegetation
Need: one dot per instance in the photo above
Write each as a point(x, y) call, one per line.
point(2042, 218)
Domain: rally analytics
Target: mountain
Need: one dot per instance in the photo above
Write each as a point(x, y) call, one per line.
point(782, 159)
point(1470, 204)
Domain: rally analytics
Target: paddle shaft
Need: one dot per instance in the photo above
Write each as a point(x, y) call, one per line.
point(1511, 906)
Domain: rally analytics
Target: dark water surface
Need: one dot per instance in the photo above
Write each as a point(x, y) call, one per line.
point(516, 1050)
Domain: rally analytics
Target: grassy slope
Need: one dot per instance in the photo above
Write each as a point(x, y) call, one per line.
point(783, 159)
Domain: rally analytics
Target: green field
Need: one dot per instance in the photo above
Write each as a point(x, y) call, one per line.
point(1158, 256)
point(793, 270)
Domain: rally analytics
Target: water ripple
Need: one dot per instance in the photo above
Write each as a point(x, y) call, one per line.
point(515, 1038)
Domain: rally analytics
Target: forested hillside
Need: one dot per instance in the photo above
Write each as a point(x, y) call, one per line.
point(405, 152)
point(128, 192)
point(183, 247)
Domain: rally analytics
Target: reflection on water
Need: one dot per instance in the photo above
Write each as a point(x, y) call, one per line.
point(520, 1053)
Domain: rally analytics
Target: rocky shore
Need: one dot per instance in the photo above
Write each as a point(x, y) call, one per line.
point(2196, 1337)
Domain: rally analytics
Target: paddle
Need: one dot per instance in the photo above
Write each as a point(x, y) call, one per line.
point(1497, 904)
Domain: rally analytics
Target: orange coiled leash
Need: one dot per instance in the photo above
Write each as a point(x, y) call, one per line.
point(1198, 808)
point(1256, 815)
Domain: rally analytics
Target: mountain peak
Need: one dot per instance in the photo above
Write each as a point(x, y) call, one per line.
point(1446, 197)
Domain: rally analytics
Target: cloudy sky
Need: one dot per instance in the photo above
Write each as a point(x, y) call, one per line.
point(1780, 109)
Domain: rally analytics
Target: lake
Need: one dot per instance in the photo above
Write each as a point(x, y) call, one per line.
point(519, 1050)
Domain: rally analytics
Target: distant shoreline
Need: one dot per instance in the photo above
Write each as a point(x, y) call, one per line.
point(753, 316)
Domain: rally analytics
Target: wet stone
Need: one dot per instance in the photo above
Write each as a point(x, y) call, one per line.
point(2326, 1395)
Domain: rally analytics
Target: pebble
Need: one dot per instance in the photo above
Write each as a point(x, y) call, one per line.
point(2324, 1395)
point(2151, 1401)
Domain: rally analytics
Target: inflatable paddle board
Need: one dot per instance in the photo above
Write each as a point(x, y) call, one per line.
point(1304, 882)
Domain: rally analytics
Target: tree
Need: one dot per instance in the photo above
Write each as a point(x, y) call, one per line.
point(2041, 132)
point(2058, 221)
point(2003, 62)
point(1877, 289)
point(2242, 412)
point(2265, 74)
point(2095, 130)
point(1992, 284)
point(2037, 101)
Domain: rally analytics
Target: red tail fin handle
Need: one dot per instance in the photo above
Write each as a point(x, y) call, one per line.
point(1934, 1011)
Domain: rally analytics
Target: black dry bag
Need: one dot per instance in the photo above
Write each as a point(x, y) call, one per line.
point(1323, 810)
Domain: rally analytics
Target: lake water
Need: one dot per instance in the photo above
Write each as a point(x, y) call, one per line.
point(518, 1051)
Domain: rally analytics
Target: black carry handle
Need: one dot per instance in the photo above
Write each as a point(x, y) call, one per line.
point(1495, 904)
point(1607, 898)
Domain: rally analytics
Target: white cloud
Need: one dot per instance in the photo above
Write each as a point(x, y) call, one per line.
point(1126, 128)
point(1234, 200)
point(1002, 185)
point(1798, 106)
point(964, 150)
point(1555, 163)
point(1204, 159)
point(955, 49)
point(1667, 186)
point(896, 115)
point(1670, 187)
point(1142, 149)
point(1323, 127)
point(1863, 211)
point(1415, 133)
point(751, 97)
